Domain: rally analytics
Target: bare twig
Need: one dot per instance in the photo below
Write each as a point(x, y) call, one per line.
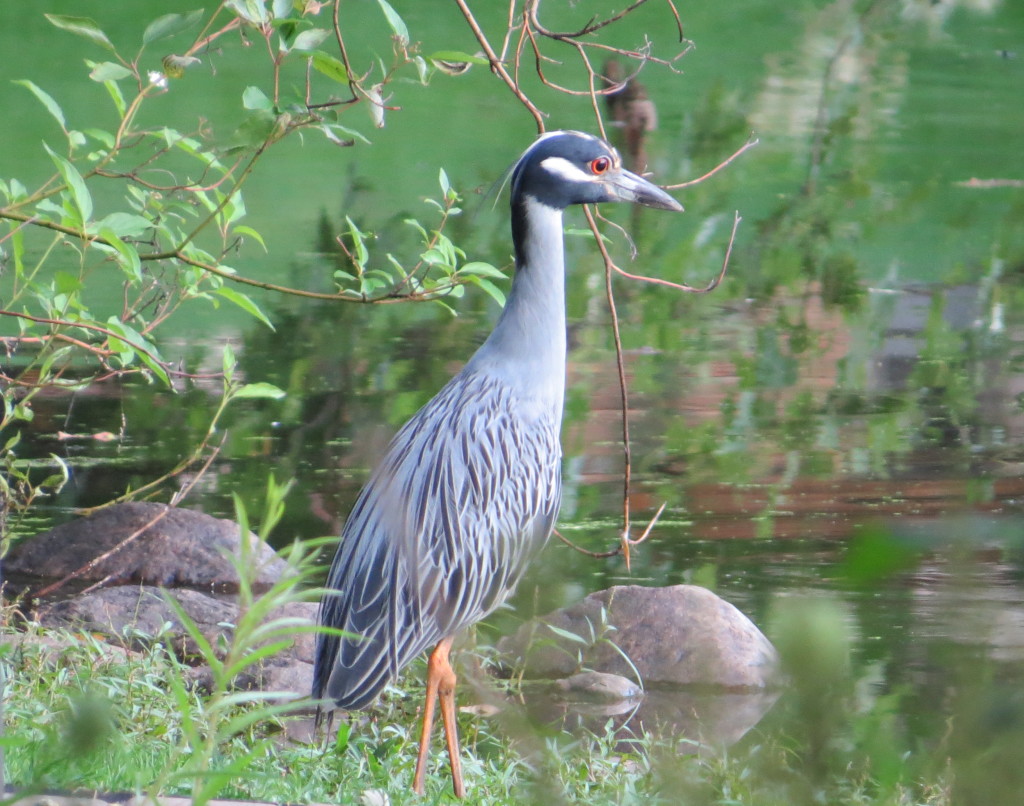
point(626, 541)
point(84, 569)
point(42, 320)
point(621, 367)
point(751, 142)
point(596, 554)
point(497, 67)
point(689, 288)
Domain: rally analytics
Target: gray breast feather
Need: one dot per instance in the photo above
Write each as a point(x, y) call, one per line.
point(465, 495)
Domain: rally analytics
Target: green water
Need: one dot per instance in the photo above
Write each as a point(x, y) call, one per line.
point(856, 378)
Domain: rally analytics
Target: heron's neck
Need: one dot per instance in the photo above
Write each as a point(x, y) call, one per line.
point(527, 347)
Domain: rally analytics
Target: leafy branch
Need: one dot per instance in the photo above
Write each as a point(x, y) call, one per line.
point(177, 230)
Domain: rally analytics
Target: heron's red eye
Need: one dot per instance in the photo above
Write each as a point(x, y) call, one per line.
point(600, 165)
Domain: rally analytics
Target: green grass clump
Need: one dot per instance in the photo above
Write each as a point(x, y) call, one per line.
point(91, 719)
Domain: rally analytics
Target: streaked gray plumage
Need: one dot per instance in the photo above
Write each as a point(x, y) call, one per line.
point(469, 489)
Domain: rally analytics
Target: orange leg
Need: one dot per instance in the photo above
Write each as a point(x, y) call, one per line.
point(440, 685)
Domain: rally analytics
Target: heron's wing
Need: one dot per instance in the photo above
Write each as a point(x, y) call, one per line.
point(467, 492)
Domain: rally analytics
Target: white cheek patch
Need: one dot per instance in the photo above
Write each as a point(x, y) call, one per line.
point(563, 169)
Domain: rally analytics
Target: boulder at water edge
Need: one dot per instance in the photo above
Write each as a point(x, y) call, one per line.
point(681, 635)
point(162, 545)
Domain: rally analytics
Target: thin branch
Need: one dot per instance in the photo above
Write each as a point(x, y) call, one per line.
point(751, 142)
point(175, 501)
point(624, 545)
point(496, 65)
point(181, 494)
point(533, 8)
point(621, 367)
point(625, 539)
point(626, 542)
point(84, 569)
point(689, 288)
point(597, 554)
point(42, 320)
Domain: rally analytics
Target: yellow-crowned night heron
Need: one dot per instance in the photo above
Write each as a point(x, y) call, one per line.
point(469, 488)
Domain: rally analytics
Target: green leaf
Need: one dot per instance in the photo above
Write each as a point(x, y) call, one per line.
point(328, 65)
point(109, 71)
point(422, 69)
point(243, 302)
point(243, 229)
point(569, 636)
point(255, 98)
point(101, 136)
point(254, 131)
point(358, 244)
point(55, 481)
point(412, 222)
point(169, 25)
point(131, 344)
point(332, 130)
point(256, 391)
point(286, 32)
point(311, 39)
point(456, 56)
point(435, 257)
point(65, 283)
point(73, 179)
point(47, 100)
point(482, 270)
point(128, 255)
point(396, 23)
point(116, 96)
point(82, 26)
point(249, 10)
point(125, 225)
point(492, 290)
point(228, 362)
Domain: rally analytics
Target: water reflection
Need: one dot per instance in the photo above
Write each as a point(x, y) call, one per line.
point(692, 721)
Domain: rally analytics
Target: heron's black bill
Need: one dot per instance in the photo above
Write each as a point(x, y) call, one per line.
point(627, 186)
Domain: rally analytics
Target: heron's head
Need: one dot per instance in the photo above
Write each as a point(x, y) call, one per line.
point(565, 167)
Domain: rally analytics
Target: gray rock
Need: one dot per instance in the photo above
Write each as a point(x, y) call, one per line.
point(138, 615)
point(289, 671)
point(283, 674)
point(165, 546)
point(676, 636)
point(597, 687)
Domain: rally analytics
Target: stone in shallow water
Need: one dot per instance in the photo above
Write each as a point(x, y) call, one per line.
point(682, 635)
point(598, 687)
